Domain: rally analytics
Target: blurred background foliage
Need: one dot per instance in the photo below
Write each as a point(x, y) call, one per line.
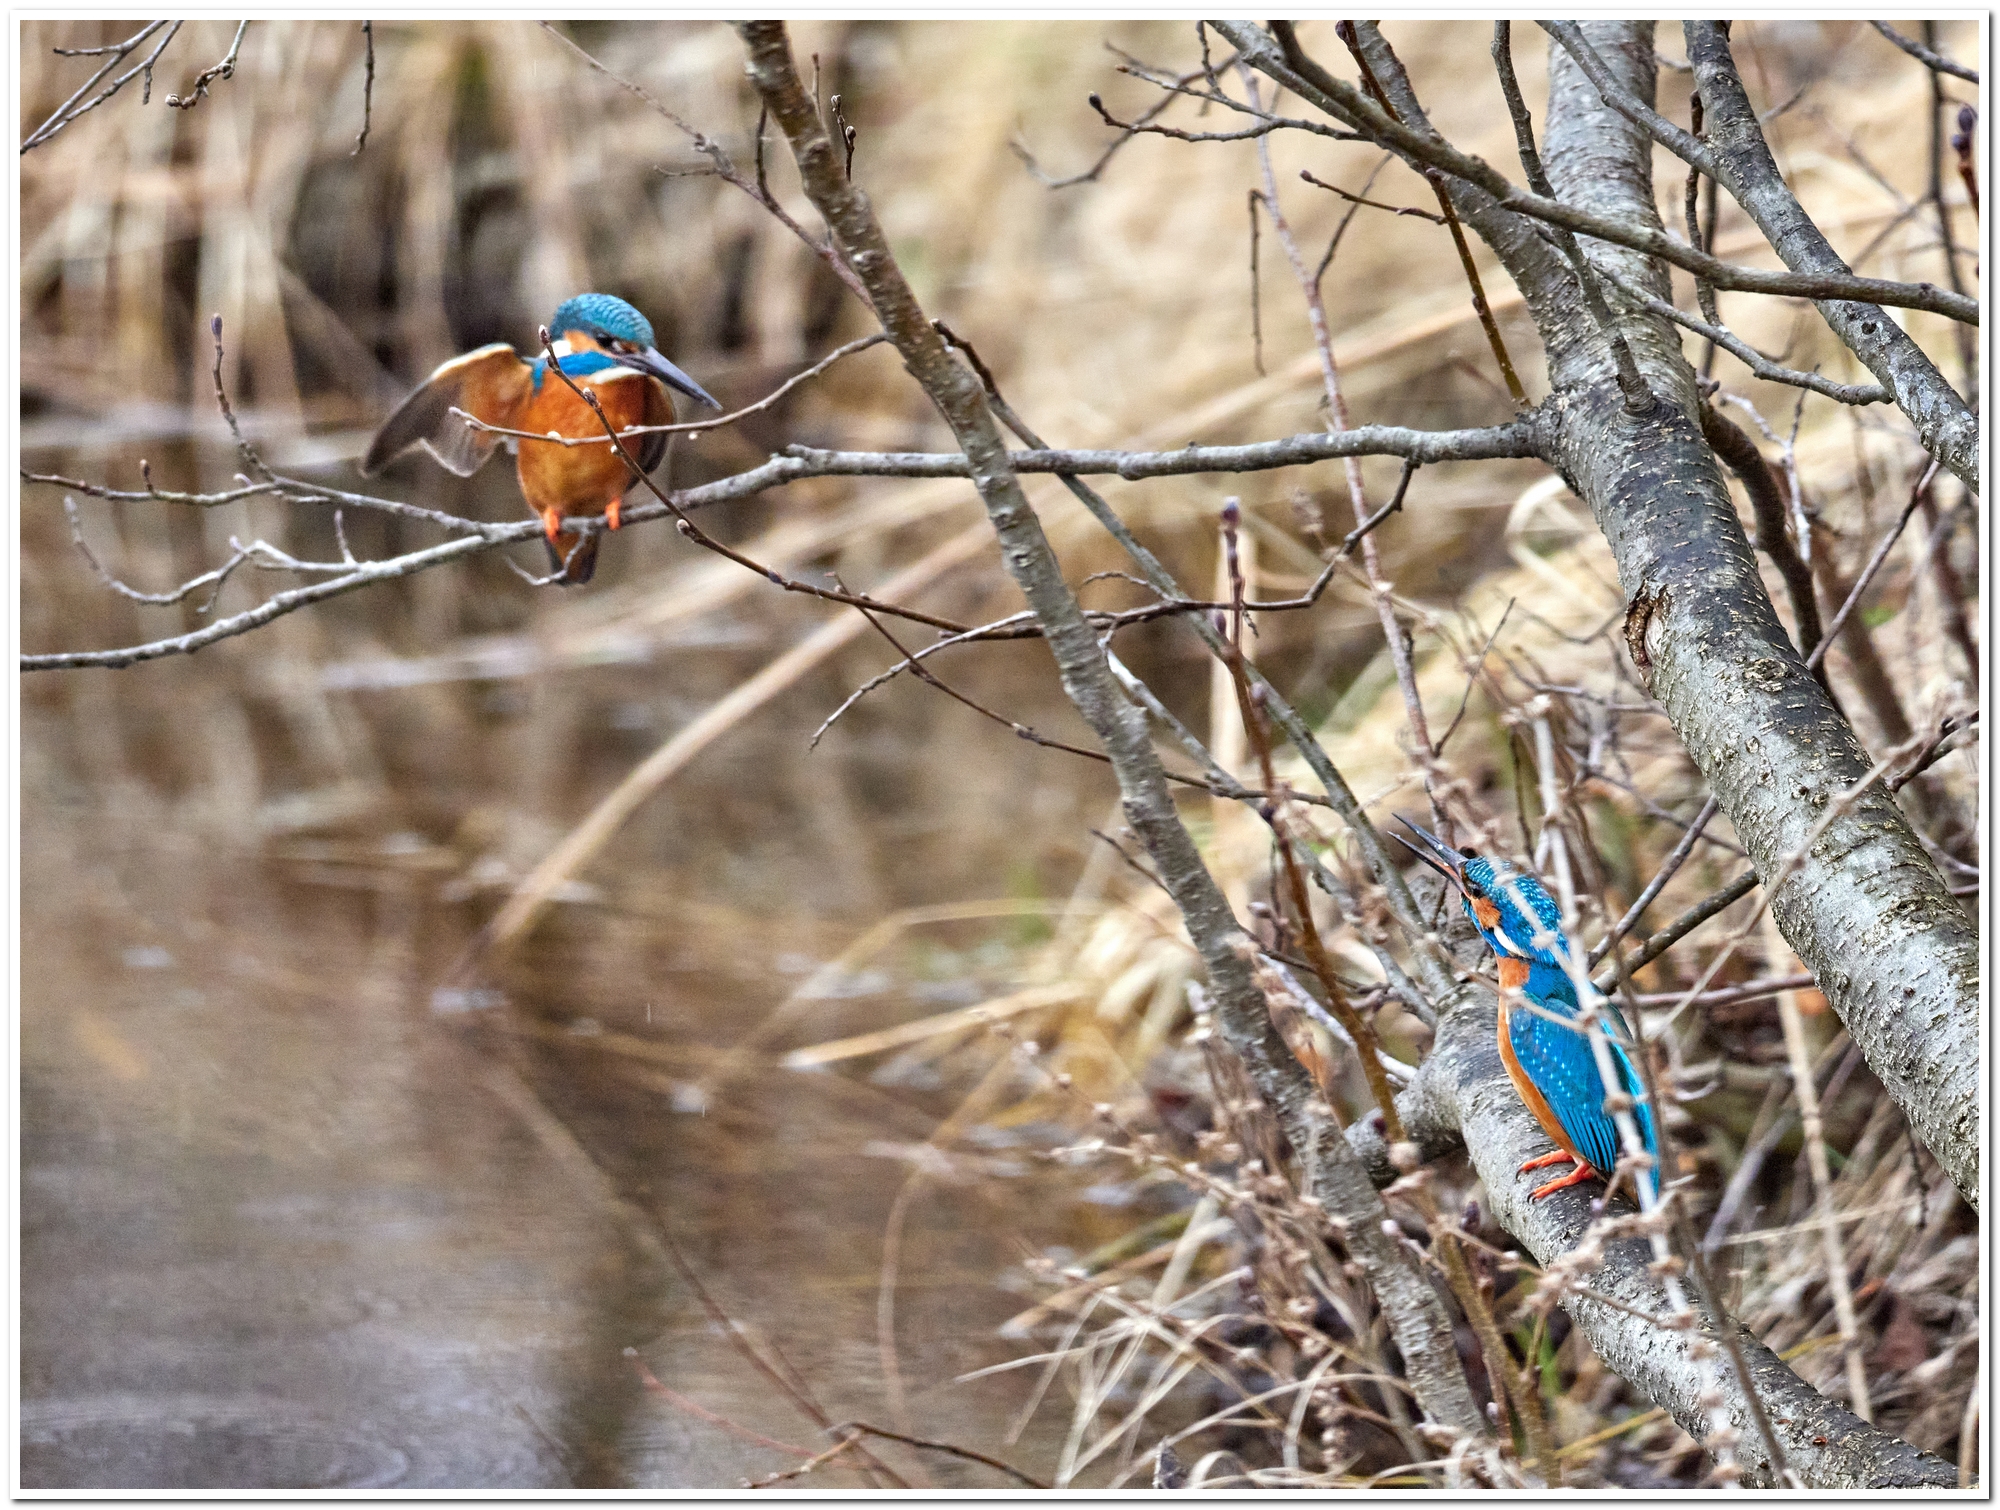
point(358, 787)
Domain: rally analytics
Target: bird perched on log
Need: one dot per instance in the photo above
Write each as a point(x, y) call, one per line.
point(605, 346)
point(1543, 1043)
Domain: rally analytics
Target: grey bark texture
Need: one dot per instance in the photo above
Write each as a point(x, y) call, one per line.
point(1462, 1093)
point(1418, 143)
point(1867, 913)
point(1744, 166)
point(1417, 1317)
point(1735, 153)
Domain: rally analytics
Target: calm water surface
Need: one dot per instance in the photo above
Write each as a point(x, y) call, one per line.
point(287, 1224)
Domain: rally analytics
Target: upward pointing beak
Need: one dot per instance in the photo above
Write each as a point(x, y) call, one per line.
point(651, 361)
point(1438, 855)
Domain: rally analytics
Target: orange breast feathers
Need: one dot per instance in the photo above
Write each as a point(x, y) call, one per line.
point(567, 480)
point(1530, 1094)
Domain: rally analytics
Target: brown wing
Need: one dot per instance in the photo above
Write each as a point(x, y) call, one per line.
point(492, 384)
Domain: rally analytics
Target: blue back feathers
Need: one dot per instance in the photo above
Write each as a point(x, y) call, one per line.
point(1558, 1059)
point(600, 315)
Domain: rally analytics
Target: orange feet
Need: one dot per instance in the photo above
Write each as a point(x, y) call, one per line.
point(1576, 1176)
point(611, 513)
point(1558, 1157)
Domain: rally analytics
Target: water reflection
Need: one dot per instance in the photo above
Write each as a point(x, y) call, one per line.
point(287, 1225)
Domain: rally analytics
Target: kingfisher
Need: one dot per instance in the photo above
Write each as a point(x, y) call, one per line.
point(1549, 1061)
point(605, 346)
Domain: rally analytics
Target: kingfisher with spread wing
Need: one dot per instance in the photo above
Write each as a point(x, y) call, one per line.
point(1543, 1044)
point(603, 345)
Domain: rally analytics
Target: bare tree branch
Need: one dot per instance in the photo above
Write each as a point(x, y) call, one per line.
point(368, 574)
point(1894, 953)
point(1841, 393)
point(1931, 60)
point(725, 169)
point(1736, 154)
point(1416, 1317)
point(692, 427)
point(1347, 103)
point(77, 104)
point(367, 88)
point(1461, 1098)
point(226, 69)
point(1518, 438)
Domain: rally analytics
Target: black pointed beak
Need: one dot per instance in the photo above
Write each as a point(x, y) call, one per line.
point(651, 361)
point(1438, 855)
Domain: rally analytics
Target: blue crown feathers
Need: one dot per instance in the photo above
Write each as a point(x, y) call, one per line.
point(1529, 925)
point(601, 315)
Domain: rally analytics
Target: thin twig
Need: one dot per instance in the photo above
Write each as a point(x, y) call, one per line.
point(1858, 394)
point(1638, 397)
point(928, 1445)
point(1433, 151)
point(1288, 40)
point(1663, 875)
point(1090, 174)
point(1373, 204)
point(1931, 60)
point(1336, 402)
point(733, 1333)
point(694, 1408)
point(810, 1464)
point(367, 88)
point(1800, 1056)
point(113, 54)
point(161, 599)
point(1266, 124)
point(725, 169)
point(1659, 943)
point(226, 69)
point(692, 427)
point(1961, 145)
point(1875, 561)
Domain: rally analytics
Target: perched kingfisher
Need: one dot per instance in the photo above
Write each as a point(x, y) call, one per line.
point(606, 346)
point(1550, 1062)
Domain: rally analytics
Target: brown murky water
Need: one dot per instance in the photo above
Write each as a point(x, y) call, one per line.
point(287, 1224)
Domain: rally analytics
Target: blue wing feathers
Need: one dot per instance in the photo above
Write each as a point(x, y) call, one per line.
point(1557, 1057)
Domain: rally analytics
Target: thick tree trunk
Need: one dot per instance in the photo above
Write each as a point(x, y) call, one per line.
point(1867, 912)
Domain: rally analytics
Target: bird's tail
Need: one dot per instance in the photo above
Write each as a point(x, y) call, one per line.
point(577, 562)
